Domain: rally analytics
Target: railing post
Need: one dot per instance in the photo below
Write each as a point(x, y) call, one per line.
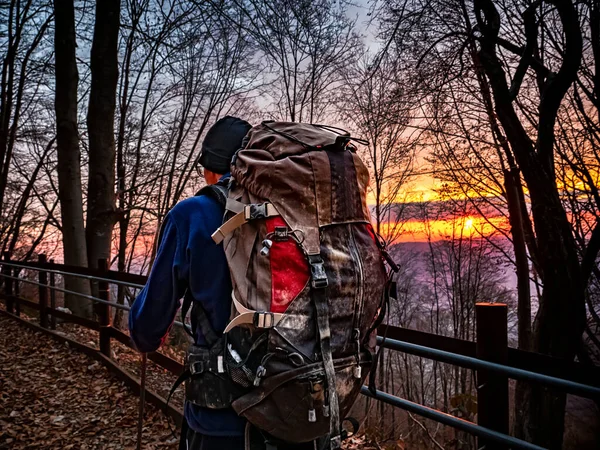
point(52, 297)
point(17, 289)
point(492, 388)
point(43, 293)
point(103, 309)
point(8, 284)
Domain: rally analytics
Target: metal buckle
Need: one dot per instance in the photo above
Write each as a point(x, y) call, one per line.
point(280, 234)
point(336, 442)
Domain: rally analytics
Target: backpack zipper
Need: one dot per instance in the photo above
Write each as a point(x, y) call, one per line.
point(360, 278)
point(358, 310)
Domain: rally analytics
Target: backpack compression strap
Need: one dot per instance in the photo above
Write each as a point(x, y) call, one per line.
point(244, 214)
point(319, 285)
point(247, 316)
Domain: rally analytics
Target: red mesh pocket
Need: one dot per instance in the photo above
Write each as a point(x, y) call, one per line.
point(289, 269)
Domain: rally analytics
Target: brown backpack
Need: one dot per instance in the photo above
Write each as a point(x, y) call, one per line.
point(309, 281)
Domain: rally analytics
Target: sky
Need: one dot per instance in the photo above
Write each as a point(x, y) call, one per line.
point(422, 187)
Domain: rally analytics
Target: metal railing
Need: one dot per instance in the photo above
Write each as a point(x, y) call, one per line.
point(489, 356)
point(55, 288)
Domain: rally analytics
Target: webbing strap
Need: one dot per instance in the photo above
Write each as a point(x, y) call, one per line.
point(199, 319)
point(258, 319)
point(184, 376)
point(234, 206)
point(250, 212)
point(319, 295)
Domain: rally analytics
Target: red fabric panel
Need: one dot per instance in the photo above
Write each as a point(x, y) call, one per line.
point(289, 269)
point(371, 232)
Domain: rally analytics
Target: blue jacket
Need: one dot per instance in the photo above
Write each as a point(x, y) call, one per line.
point(187, 258)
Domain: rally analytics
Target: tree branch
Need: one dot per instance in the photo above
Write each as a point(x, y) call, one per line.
point(531, 35)
point(556, 86)
point(424, 428)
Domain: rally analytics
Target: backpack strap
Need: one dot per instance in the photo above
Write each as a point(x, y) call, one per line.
point(246, 213)
point(319, 283)
point(218, 191)
point(243, 212)
point(199, 319)
point(259, 319)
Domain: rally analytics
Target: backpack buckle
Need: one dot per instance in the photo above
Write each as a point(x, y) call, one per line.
point(336, 442)
point(255, 211)
point(317, 272)
point(197, 367)
point(263, 320)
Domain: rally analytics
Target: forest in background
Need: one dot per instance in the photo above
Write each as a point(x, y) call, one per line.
point(103, 107)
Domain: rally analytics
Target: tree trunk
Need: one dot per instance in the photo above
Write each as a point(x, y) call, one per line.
point(101, 214)
point(522, 399)
point(69, 159)
point(560, 320)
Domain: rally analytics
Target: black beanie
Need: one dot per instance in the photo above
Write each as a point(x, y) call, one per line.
point(221, 142)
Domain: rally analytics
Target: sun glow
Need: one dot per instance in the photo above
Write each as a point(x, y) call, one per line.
point(465, 227)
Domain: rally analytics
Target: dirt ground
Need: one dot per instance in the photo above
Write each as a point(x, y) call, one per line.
point(52, 397)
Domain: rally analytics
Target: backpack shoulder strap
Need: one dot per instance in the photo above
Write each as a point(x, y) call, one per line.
point(218, 191)
point(199, 319)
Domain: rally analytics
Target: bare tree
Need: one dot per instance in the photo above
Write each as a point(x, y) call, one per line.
point(101, 210)
point(305, 46)
point(24, 26)
point(377, 107)
point(564, 276)
point(69, 157)
point(511, 72)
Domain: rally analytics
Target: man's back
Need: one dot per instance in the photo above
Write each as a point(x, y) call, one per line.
point(188, 259)
point(189, 263)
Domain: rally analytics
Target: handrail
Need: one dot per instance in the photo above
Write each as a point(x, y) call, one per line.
point(536, 362)
point(79, 294)
point(450, 420)
point(71, 274)
point(474, 363)
point(67, 291)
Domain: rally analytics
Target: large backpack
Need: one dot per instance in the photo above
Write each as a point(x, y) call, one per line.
point(309, 282)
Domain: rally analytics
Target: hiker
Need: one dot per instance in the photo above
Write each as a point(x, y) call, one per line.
point(307, 281)
point(188, 262)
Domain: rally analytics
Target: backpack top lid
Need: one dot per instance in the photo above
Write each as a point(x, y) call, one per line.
point(312, 175)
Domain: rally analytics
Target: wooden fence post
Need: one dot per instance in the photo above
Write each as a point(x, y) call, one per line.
point(492, 388)
point(43, 293)
point(17, 289)
point(104, 309)
point(8, 284)
point(52, 297)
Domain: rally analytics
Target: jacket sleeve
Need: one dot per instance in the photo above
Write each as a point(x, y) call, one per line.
point(154, 309)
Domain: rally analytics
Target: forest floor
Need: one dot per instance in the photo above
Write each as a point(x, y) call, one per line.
point(53, 397)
